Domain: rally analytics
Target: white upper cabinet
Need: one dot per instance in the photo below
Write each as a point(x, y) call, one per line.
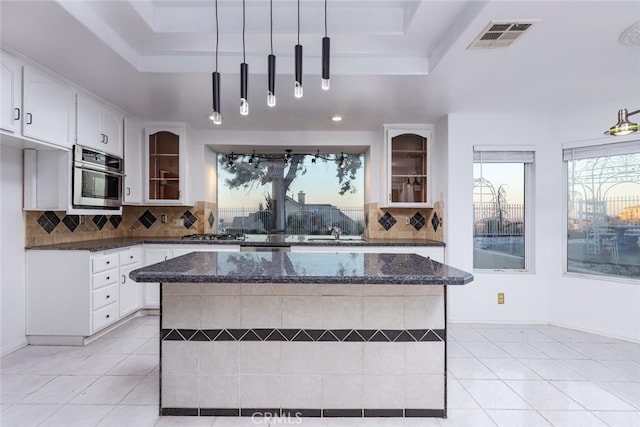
point(409, 172)
point(10, 91)
point(133, 165)
point(99, 126)
point(48, 109)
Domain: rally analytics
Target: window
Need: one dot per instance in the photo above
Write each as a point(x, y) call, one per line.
point(603, 209)
point(295, 194)
point(500, 209)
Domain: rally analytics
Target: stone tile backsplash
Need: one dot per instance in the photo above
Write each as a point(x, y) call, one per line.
point(404, 223)
point(50, 227)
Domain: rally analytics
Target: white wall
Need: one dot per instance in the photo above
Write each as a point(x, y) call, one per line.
point(12, 253)
point(546, 295)
point(525, 294)
point(602, 305)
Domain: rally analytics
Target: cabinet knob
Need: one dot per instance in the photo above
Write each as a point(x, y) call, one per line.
point(108, 296)
point(108, 262)
point(108, 277)
point(107, 316)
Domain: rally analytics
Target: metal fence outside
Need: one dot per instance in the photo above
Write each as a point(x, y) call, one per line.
point(493, 220)
point(310, 220)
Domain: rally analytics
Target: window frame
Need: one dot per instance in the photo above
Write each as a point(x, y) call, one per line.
point(516, 154)
point(609, 147)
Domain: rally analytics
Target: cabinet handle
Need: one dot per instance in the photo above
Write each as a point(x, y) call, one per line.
point(29, 118)
point(124, 279)
point(103, 138)
point(128, 191)
point(106, 139)
point(17, 110)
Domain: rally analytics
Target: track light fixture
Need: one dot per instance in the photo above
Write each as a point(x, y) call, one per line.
point(624, 126)
point(298, 92)
point(244, 72)
point(215, 115)
point(255, 158)
point(326, 47)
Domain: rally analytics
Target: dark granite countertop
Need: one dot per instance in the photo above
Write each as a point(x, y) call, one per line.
point(272, 241)
point(315, 268)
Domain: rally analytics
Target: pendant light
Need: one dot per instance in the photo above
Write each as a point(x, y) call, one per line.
point(298, 62)
point(244, 72)
point(624, 126)
point(215, 116)
point(271, 65)
point(326, 46)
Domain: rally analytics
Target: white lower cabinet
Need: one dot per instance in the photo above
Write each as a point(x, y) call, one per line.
point(130, 292)
point(73, 294)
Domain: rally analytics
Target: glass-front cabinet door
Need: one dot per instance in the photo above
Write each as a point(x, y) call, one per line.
point(165, 171)
point(408, 170)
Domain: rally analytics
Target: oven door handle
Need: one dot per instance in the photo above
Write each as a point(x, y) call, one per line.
point(86, 166)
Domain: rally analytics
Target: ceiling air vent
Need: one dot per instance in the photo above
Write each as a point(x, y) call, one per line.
point(499, 34)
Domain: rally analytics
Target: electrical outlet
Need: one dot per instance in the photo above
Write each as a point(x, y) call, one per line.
point(163, 218)
point(407, 220)
point(500, 297)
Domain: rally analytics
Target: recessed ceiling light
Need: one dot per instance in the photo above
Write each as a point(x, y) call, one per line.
point(336, 118)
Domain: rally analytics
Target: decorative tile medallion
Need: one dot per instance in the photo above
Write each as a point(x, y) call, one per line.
point(100, 221)
point(71, 221)
point(188, 219)
point(115, 220)
point(48, 220)
point(387, 221)
point(436, 221)
point(417, 221)
point(211, 219)
point(147, 219)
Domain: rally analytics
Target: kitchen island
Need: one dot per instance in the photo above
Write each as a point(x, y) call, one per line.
point(303, 334)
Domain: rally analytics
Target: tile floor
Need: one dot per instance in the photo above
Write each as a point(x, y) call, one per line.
point(500, 375)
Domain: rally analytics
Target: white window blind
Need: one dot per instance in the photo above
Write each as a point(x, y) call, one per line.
point(613, 149)
point(507, 155)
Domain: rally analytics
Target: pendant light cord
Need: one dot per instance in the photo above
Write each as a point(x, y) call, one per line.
point(325, 18)
point(217, 36)
point(243, 48)
point(271, 20)
point(298, 21)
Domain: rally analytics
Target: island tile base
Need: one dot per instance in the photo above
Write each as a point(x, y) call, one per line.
point(303, 350)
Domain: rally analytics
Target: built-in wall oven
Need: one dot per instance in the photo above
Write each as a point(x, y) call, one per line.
point(97, 179)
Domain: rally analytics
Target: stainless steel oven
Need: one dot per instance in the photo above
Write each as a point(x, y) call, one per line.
point(97, 179)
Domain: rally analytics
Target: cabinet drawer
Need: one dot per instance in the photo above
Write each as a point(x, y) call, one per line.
point(105, 296)
point(129, 257)
point(105, 278)
point(104, 262)
point(105, 316)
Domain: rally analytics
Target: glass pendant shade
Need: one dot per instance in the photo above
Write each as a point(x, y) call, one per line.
point(271, 92)
point(298, 66)
point(215, 116)
point(326, 47)
point(244, 77)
